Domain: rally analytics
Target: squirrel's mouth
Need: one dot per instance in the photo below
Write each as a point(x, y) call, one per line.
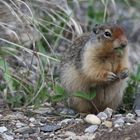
point(120, 45)
point(119, 50)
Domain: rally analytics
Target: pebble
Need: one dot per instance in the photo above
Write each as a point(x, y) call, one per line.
point(3, 129)
point(24, 129)
point(10, 117)
point(92, 119)
point(110, 130)
point(69, 133)
point(137, 112)
point(91, 129)
point(83, 137)
point(43, 111)
point(138, 119)
point(119, 122)
point(65, 121)
point(128, 124)
point(18, 136)
point(47, 104)
point(50, 128)
point(51, 135)
point(32, 119)
point(19, 124)
point(7, 137)
point(18, 115)
point(116, 125)
point(26, 136)
point(107, 124)
point(67, 111)
point(1, 116)
point(31, 125)
point(130, 118)
point(127, 138)
point(103, 116)
point(78, 120)
point(117, 116)
point(109, 112)
point(91, 136)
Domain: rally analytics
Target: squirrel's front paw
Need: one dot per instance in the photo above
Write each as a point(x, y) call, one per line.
point(124, 74)
point(111, 76)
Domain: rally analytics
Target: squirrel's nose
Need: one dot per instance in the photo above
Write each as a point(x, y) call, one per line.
point(123, 44)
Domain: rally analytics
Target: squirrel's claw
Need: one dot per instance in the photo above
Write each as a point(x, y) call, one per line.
point(124, 74)
point(111, 76)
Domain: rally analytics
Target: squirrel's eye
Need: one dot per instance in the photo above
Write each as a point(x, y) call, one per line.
point(107, 33)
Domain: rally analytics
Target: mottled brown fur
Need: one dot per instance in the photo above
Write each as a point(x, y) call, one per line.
point(88, 65)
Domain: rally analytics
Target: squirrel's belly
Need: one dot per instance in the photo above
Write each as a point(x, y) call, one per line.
point(106, 96)
point(109, 95)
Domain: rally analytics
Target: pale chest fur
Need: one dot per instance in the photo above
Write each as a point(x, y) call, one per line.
point(95, 58)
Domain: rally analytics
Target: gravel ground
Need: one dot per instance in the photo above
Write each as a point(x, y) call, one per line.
point(44, 124)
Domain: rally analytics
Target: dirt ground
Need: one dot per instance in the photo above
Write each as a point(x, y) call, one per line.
point(129, 133)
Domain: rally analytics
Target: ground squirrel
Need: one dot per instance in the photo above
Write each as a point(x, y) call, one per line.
point(97, 61)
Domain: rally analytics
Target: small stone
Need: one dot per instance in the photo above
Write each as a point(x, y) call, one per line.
point(136, 104)
point(78, 120)
point(117, 116)
point(103, 116)
point(127, 138)
point(107, 124)
point(24, 130)
point(7, 137)
point(47, 104)
point(1, 116)
point(90, 136)
point(116, 125)
point(15, 116)
point(130, 118)
point(65, 121)
point(43, 111)
point(31, 125)
point(110, 130)
point(3, 129)
point(69, 134)
point(52, 135)
point(50, 128)
point(137, 112)
point(67, 111)
point(119, 122)
point(109, 112)
point(91, 129)
point(32, 119)
point(128, 124)
point(18, 136)
point(138, 119)
point(92, 119)
point(82, 137)
point(26, 136)
point(19, 124)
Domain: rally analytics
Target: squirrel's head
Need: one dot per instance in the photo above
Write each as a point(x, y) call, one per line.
point(112, 35)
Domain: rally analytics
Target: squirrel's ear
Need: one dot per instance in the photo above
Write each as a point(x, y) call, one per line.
point(96, 29)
